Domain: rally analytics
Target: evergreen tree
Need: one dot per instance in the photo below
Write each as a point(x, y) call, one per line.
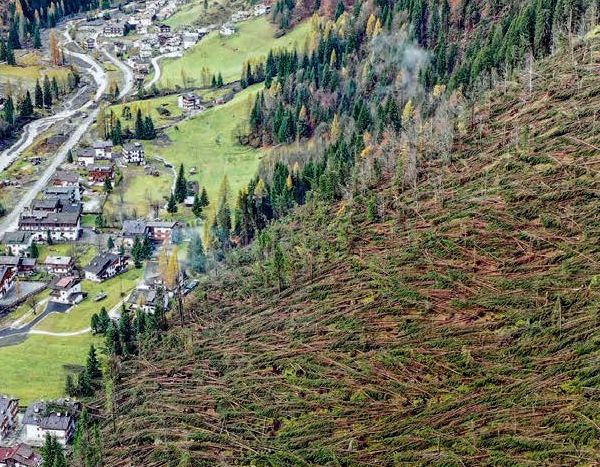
point(38, 95)
point(113, 342)
point(55, 90)
point(137, 252)
point(69, 156)
point(9, 111)
point(107, 185)
point(180, 185)
point(196, 255)
point(47, 90)
point(10, 55)
point(70, 388)
point(139, 125)
point(33, 250)
point(149, 131)
point(92, 366)
point(172, 204)
point(84, 384)
point(126, 333)
point(116, 134)
point(110, 243)
point(37, 42)
point(2, 50)
point(197, 207)
point(204, 198)
point(26, 107)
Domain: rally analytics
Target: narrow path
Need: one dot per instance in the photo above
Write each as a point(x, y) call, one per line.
point(157, 70)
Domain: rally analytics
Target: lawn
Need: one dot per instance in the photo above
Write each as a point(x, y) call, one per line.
point(169, 103)
point(136, 193)
point(78, 318)
point(35, 369)
point(227, 54)
point(24, 76)
point(83, 253)
point(207, 143)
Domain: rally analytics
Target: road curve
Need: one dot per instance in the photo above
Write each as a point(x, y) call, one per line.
point(157, 71)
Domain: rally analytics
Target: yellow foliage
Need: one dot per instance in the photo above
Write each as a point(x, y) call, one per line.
point(438, 90)
point(371, 22)
point(336, 128)
point(378, 28)
point(408, 112)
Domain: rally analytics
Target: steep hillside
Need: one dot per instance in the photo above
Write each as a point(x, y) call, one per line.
point(451, 324)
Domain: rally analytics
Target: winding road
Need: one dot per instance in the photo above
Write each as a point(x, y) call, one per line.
point(157, 70)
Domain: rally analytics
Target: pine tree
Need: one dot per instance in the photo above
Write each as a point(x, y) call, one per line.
point(92, 365)
point(2, 50)
point(126, 333)
point(113, 343)
point(33, 250)
point(47, 92)
point(139, 125)
point(9, 111)
point(55, 90)
point(10, 55)
point(137, 253)
point(149, 131)
point(107, 185)
point(172, 204)
point(69, 156)
point(26, 107)
point(197, 207)
point(180, 186)
point(38, 95)
point(196, 255)
point(37, 42)
point(204, 198)
point(110, 243)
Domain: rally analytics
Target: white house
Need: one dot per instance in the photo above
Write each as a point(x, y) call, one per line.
point(17, 243)
point(112, 30)
point(40, 420)
point(134, 153)
point(67, 290)
point(189, 101)
point(102, 149)
point(59, 265)
point(61, 226)
point(104, 266)
point(86, 157)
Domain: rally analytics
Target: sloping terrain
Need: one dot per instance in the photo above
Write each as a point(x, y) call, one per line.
point(456, 325)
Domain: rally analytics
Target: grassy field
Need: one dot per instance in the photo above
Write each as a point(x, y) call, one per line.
point(79, 317)
point(207, 143)
point(227, 54)
point(83, 252)
point(137, 192)
point(37, 368)
point(28, 69)
point(151, 106)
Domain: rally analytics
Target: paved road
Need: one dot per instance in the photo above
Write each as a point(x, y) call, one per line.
point(157, 70)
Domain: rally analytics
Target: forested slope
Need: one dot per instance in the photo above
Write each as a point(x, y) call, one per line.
point(447, 319)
